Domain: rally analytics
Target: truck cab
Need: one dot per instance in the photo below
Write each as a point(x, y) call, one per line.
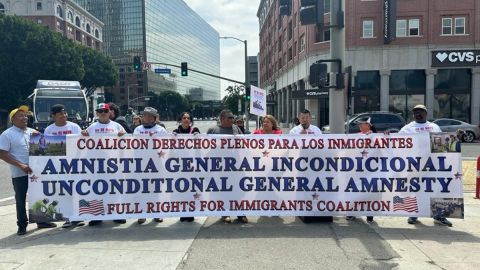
point(68, 93)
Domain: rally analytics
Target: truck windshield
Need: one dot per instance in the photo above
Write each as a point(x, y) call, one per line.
point(76, 108)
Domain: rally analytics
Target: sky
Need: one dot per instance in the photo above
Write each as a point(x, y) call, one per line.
point(235, 18)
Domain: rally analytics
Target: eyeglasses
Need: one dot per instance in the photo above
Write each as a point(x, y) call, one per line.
point(103, 111)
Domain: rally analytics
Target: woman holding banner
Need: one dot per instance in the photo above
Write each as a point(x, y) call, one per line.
point(186, 127)
point(269, 126)
point(366, 127)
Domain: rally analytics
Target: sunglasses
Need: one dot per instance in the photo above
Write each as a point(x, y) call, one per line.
point(103, 111)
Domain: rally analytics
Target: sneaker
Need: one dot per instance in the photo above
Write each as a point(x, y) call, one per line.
point(22, 231)
point(158, 220)
point(141, 220)
point(226, 219)
point(442, 221)
point(243, 219)
point(369, 220)
point(350, 217)
point(78, 223)
point(94, 222)
point(46, 225)
point(412, 220)
point(120, 221)
point(67, 224)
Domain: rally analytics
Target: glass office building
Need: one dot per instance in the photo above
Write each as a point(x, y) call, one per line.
point(160, 31)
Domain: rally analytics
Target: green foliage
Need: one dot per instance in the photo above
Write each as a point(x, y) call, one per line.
point(169, 104)
point(32, 52)
point(230, 101)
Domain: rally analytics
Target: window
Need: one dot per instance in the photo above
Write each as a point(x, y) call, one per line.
point(453, 26)
point(77, 21)
point(39, 5)
point(290, 30)
point(446, 26)
point(460, 26)
point(70, 16)
point(401, 28)
point(367, 29)
point(2, 8)
point(88, 28)
point(326, 5)
point(413, 27)
point(59, 11)
point(97, 35)
point(290, 56)
point(302, 43)
point(326, 35)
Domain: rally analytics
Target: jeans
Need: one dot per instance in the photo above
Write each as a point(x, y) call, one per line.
point(20, 186)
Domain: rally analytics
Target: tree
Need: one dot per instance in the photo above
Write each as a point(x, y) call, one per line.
point(169, 104)
point(99, 69)
point(234, 94)
point(31, 52)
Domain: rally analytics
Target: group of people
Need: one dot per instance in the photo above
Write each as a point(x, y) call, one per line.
point(14, 143)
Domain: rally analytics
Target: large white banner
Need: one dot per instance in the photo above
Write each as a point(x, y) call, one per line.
point(213, 175)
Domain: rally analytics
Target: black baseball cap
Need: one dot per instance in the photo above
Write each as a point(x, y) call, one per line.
point(57, 108)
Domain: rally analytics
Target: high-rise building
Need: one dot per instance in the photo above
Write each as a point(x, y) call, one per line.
point(253, 70)
point(63, 16)
point(424, 51)
point(160, 31)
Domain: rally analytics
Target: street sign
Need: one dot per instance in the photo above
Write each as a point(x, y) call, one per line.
point(146, 66)
point(163, 70)
point(310, 93)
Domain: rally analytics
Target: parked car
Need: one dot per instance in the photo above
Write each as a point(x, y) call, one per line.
point(472, 132)
point(383, 121)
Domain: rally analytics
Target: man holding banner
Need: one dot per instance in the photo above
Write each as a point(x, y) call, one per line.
point(421, 125)
point(305, 126)
point(14, 148)
point(62, 127)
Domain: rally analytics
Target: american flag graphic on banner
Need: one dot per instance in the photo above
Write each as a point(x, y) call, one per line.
point(408, 204)
point(94, 207)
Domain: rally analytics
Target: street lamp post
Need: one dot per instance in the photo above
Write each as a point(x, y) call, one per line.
point(136, 100)
point(247, 116)
point(128, 94)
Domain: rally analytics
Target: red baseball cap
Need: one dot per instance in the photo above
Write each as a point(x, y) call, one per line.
point(102, 106)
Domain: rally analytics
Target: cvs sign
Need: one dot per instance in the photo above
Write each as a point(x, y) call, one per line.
point(457, 58)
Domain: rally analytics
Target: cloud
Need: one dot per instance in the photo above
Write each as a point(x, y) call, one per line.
point(235, 18)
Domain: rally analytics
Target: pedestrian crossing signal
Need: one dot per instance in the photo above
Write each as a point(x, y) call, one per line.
point(184, 69)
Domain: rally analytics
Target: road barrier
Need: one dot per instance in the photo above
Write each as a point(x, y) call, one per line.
point(477, 193)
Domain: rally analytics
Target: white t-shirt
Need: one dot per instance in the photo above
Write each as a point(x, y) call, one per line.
point(414, 127)
point(157, 130)
point(69, 128)
point(16, 142)
point(310, 130)
point(112, 128)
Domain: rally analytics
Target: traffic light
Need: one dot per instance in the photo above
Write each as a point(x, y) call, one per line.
point(137, 64)
point(247, 93)
point(184, 66)
point(311, 12)
point(285, 7)
point(318, 75)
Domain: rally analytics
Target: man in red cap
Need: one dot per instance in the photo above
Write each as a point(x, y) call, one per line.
point(14, 146)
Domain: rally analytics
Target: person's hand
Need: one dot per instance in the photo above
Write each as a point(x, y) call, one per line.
point(35, 133)
point(386, 132)
point(25, 168)
point(85, 132)
point(121, 133)
point(174, 133)
point(196, 133)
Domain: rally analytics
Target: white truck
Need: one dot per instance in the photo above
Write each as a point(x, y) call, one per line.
point(68, 93)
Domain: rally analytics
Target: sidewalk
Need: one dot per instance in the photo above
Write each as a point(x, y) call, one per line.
point(264, 243)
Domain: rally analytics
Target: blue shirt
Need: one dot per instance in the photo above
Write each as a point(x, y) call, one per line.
point(16, 142)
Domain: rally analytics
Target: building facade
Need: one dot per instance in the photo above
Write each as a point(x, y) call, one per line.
point(253, 70)
point(432, 59)
point(162, 31)
point(63, 16)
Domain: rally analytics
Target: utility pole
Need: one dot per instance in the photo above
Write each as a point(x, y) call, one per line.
point(337, 104)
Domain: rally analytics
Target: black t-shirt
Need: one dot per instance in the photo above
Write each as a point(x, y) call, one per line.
point(189, 130)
